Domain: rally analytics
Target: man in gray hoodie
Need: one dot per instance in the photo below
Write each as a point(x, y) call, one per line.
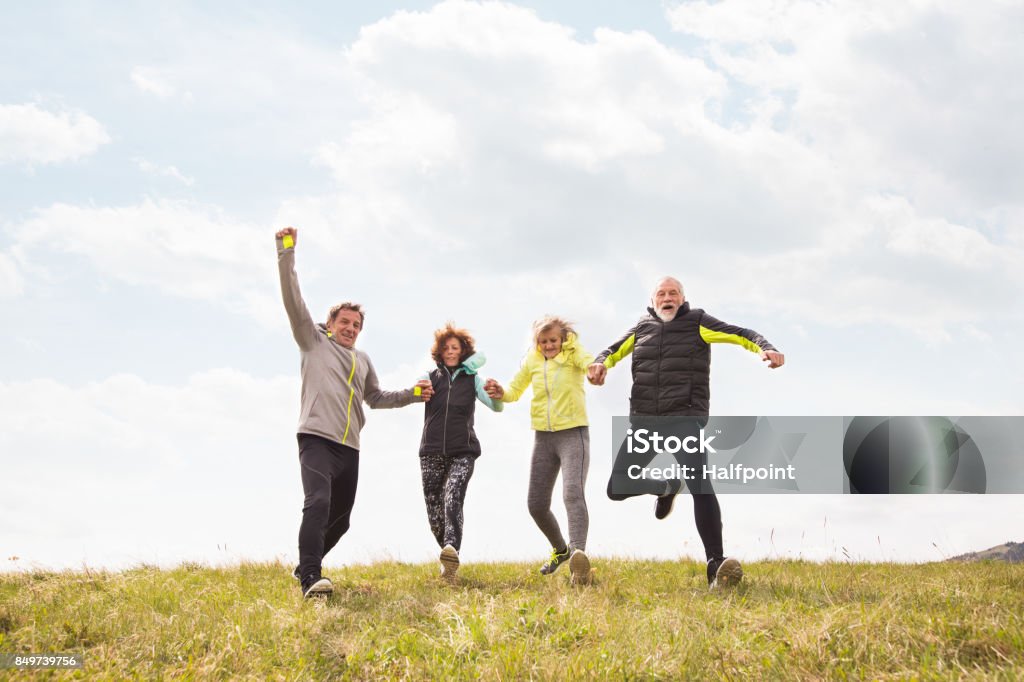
point(336, 379)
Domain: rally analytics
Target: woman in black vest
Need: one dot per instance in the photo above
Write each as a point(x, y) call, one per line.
point(449, 446)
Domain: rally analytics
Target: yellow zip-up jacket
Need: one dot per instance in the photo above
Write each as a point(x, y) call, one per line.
point(558, 399)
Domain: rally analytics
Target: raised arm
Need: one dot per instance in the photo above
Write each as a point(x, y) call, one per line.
point(713, 330)
point(303, 327)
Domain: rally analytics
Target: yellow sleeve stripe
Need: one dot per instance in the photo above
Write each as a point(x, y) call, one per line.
point(711, 336)
point(625, 349)
point(287, 241)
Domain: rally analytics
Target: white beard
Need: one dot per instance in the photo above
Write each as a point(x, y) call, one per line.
point(666, 317)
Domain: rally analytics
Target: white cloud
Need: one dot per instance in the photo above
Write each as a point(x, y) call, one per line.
point(271, 90)
point(165, 171)
point(128, 471)
point(489, 131)
point(937, 238)
point(11, 280)
point(902, 97)
point(180, 248)
point(31, 135)
point(153, 81)
point(510, 145)
point(492, 138)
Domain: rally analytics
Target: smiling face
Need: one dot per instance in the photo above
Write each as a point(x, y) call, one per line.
point(451, 352)
point(345, 327)
point(550, 342)
point(667, 298)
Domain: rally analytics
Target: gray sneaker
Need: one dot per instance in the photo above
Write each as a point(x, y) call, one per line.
point(556, 560)
point(579, 568)
point(449, 564)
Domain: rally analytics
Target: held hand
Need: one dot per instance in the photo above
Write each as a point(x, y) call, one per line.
point(424, 389)
point(288, 232)
point(494, 390)
point(774, 358)
point(596, 373)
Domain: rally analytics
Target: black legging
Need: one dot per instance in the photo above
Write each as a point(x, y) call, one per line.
point(706, 512)
point(330, 472)
point(445, 479)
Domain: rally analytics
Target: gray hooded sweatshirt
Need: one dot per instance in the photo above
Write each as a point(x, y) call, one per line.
point(335, 380)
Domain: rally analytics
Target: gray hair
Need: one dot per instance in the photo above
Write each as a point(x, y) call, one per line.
point(667, 278)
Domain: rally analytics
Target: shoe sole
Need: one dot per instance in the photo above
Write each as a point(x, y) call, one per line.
point(730, 573)
point(579, 568)
point(671, 505)
point(449, 564)
point(321, 589)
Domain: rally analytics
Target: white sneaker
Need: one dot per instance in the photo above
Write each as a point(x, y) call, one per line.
point(449, 564)
point(322, 588)
point(728, 574)
point(579, 568)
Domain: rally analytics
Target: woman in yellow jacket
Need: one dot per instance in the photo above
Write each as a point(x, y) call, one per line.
point(555, 367)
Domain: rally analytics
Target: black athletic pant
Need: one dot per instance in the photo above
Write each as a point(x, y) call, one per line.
point(329, 475)
point(445, 479)
point(706, 511)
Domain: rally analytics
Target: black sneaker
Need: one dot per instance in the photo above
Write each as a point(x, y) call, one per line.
point(314, 587)
point(556, 560)
point(295, 574)
point(663, 507)
point(724, 572)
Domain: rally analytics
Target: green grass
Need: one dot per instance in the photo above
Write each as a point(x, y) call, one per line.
point(642, 620)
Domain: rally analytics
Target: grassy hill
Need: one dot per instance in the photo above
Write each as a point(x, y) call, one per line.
point(643, 619)
point(1012, 552)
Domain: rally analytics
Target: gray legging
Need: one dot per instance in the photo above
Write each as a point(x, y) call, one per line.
point(568, 450)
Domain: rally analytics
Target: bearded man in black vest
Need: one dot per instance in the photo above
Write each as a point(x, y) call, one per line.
point(671, 349)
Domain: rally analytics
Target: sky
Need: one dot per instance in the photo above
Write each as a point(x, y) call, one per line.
point(843, 178)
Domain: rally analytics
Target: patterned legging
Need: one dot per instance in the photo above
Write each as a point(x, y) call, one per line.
point(444, 490)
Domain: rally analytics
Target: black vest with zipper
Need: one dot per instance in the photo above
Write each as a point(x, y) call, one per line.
point(671, 366)
point(448, 417)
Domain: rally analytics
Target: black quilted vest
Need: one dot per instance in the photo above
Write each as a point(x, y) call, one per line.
point(671, 366)
point(448, 417)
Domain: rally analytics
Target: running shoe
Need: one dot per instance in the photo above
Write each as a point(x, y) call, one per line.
point(663, 506)
point(556, 560)
point(724, 572)
point(579, 568)
point(314, 587)
point(449, 564)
